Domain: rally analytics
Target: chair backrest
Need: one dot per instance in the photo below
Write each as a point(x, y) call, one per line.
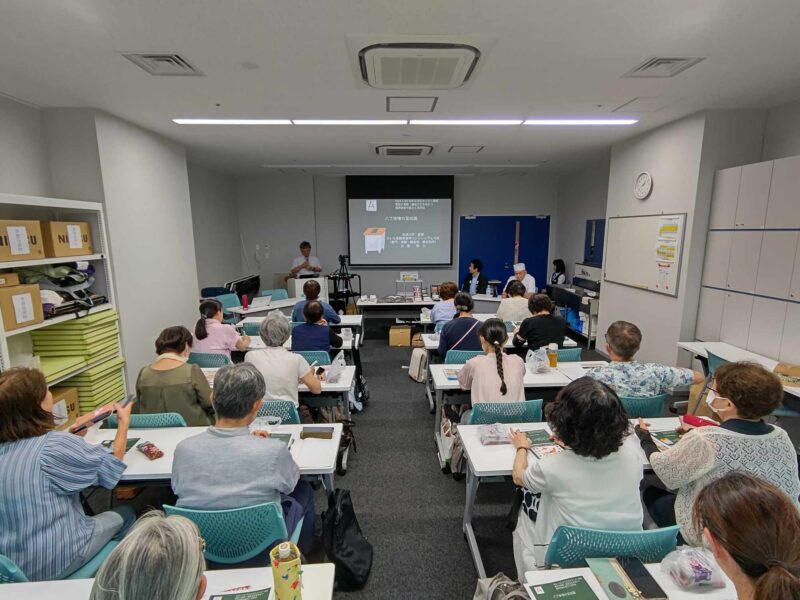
point(252, 329)
point(212, 292)
point(715, 362)
point(322, 357)
point(459, 357)
point(650, 407)
point(277, 294)
point(236, 535)
point(285, 409)
point(569, 354)
point(571, 546)
point(150, 421)
point(229, 301)
point(439, 326)
point(485, 413)
point(10, 572)
point(208, 360)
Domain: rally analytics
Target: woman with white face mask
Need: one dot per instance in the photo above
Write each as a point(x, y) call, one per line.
point(741, 394)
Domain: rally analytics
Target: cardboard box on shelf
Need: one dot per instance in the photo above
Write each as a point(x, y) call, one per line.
point(20, 240)
point(400, 335)
point(66, 238)
point(8, 279)
point(66, 407)
point(21, 306)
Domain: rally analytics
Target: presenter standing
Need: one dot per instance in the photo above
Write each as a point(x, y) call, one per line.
point(305, 265)
point(521, 275)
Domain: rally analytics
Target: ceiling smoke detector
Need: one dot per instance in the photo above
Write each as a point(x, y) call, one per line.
point(417, 66)
point(165, 64)
point(657, 66)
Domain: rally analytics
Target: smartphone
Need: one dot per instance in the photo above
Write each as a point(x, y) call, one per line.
point(101, 414)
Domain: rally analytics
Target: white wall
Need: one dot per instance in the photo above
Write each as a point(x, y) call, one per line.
point(73, 156)
point(23, 155)
point(215, 222)
point(782, 136)
point(149, 215)
point(282, 210)
point(582, 196)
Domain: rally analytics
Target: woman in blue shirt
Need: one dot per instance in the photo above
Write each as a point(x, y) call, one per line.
point(43, 528)
point(314, 334)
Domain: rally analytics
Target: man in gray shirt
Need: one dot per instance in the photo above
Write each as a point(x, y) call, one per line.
point(228, 467)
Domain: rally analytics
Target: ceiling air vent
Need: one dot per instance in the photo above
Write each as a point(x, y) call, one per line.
point(417, 66)
point(167, 64)
point(404, 149)
point(662, 67)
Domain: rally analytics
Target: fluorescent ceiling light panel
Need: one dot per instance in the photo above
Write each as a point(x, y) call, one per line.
point(232, 121)
point(349, 122)
point(465, 122)
point(547, 122)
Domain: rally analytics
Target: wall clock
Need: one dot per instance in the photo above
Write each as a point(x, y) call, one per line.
point(642, 185)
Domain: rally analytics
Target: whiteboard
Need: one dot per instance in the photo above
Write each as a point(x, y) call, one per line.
point(645, 252)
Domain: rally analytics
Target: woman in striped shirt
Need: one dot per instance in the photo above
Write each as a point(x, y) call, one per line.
point(43, 528)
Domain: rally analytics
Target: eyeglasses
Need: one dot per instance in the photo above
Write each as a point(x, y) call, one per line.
point(202, 543)
point(711, 389)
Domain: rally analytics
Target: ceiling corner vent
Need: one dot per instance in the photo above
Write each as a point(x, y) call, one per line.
point(417, 66)
point(663, 66)
point(404, 149)
point(164, 64)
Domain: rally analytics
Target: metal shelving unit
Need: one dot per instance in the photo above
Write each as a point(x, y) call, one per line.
point(16, 347)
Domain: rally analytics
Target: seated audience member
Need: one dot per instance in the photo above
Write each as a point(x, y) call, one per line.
point(543, 327)
point(43, 528)
point(593, 482)
point(475, 282)
point(247, 468)
point(282, 370)
point(161, 557)
point(314, 334)
point(444, 309)
point(634, 379)
point(521, 275)
point(515, 306)
point(170, 384)
point(752, 528)
point(461, 333)
point(495, 376)
point(741, 394)
point(311, 291)
point(212, 335)
point(559, 272)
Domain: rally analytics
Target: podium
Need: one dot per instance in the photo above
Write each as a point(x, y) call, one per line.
point(295, 286)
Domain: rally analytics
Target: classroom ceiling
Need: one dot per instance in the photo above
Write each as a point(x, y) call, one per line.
point(296, 59)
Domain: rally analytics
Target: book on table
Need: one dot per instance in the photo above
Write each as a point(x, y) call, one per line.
point(541, 444)
point(244, 594)
point(666, 439)
point(286, 438)
point(574, 588)
point(451, 374)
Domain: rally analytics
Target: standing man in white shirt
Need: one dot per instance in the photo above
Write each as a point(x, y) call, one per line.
point(305, 265)
point(521, 275)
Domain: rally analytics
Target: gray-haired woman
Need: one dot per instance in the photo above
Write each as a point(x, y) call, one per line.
point(283, 371)
point(161, 557)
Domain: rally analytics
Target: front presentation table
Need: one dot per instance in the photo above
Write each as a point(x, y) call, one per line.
point(314, 457)
point(352, 321)
point(391, 310)
point(498, 460)
point(317, 584)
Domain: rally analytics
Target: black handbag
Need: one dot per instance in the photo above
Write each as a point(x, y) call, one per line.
point(344, 543)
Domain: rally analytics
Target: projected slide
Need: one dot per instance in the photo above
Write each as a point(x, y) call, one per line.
point(400, 231)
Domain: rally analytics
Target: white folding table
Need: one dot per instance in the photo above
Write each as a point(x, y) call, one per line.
point(281, 305)
point(352, 321)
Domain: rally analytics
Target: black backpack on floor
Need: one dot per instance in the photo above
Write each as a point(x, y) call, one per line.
point(345, 545)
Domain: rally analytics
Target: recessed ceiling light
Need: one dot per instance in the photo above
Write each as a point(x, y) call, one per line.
point(546, 122)
point(232, 121)
point(349, 122)
point(465, 122)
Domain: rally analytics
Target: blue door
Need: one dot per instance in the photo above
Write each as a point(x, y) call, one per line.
point(492, 239)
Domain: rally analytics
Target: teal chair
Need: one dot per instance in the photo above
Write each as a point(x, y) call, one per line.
point(485, 413)
point(252, 329)
point(439, 326)
point(459, 357)
point(150, 421)
point(322, 357)
point(571, 546)
point(569, 354)
point(277, 294)
point(236, 535)
point(208, 360)
point(714, 362)
point(229, 301)
point(11, 573)
point(509, 326)
point(648, 408)
point(285, 409)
